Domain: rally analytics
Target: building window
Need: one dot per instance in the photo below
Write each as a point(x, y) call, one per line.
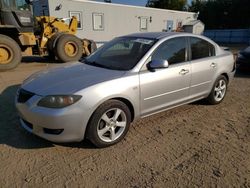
point(78, 15)
point(170, 25)
point(143, 23)
point(98, 21)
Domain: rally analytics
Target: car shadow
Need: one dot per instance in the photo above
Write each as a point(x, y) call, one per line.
point(202, 102)
point(38, 59)
point(13, 135)
point(243, 73)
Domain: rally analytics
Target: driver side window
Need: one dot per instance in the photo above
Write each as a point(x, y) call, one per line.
point(172, 50)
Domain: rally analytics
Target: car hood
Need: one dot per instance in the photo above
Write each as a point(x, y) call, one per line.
point(68, 79)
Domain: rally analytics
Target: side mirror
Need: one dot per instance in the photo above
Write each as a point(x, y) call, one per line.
point(158, 64)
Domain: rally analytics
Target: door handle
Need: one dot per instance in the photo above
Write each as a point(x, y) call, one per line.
point(213, 65)
point(184, 71)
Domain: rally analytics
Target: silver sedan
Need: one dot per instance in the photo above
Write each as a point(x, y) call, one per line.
point(128, 78)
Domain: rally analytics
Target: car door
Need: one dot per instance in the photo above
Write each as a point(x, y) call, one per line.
point(166, 87)
point(204, 65)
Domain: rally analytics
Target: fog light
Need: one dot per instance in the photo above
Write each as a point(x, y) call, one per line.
point(53, 131)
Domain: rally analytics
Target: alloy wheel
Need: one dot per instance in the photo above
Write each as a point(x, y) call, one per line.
point(111, 125)
point(220, 90)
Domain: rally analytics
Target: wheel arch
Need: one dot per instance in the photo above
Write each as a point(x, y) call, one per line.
point(9, 31)
point(12, 33)
point(226, 76)
point(128, 104)
point(122, 99)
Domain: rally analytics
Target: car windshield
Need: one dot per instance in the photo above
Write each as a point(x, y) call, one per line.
point(121, 53)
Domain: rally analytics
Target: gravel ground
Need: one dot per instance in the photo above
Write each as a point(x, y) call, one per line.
point(196, 145)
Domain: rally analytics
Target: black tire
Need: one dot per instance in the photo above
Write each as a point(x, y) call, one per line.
point(212, 99)
point(92, 46)
point(96, 121)
point(11, 53)
point(51, 45)
point(74, 43)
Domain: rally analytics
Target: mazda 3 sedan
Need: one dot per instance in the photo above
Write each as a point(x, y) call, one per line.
point(128, 78)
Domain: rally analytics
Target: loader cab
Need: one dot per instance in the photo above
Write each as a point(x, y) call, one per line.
point(16, 14)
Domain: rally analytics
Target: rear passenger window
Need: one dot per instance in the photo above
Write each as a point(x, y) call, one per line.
point(201, 48)
point(173, 50)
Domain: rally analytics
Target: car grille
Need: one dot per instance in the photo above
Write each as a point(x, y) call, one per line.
point(24, 96)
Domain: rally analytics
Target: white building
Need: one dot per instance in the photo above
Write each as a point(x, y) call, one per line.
point(195, 26)
point(103, 21)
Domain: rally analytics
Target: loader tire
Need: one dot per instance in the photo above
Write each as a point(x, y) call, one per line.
point(10, 53)
point(51, 45)
point(68, 48)
point(92, 46)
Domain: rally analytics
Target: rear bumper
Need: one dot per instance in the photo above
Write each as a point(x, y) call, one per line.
point(231, 76)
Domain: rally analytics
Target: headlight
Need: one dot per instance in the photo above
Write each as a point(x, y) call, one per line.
point(58, 101)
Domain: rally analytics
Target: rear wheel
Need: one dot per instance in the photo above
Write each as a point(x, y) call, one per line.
point(10, 53)
point(92, 46)
point(109, 124)
point(89, 47)
point(68, 48)
point(219, 90)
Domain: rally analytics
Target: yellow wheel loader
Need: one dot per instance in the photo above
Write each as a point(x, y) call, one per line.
point(21, 35)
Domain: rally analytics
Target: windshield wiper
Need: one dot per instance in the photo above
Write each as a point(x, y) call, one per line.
point(94, 63)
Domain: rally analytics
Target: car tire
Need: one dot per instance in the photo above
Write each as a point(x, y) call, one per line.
point(109, 124)
point(10, 53)
point(219, 91)
point(68, 48)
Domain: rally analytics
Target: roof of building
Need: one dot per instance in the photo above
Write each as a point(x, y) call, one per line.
point(193, 22)
point(132, 6)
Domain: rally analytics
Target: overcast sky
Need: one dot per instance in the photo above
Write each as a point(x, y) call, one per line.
point(133, 2)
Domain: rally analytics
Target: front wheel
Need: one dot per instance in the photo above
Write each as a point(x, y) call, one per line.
point(10, 53)
point(109, 124)
point(219, 90)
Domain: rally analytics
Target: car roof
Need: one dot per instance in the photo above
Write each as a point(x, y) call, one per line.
point(161, 35)
point(153, 35)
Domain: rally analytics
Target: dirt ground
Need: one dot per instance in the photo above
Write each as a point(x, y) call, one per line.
point(196, 145)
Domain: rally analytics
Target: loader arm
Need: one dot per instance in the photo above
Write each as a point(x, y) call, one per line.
point(51, 25)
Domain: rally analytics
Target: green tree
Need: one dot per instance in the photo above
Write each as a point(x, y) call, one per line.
point(223, 14)
point(196, 6)
point(167, 4)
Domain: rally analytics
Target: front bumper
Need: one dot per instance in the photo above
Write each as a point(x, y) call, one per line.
point(56, 125)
